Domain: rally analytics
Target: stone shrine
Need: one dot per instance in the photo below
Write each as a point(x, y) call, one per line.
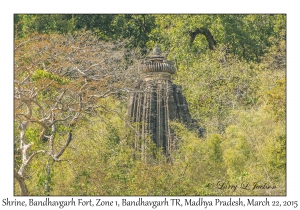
point(156, 102)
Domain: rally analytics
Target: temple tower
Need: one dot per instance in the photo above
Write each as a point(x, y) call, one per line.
point(156, 102)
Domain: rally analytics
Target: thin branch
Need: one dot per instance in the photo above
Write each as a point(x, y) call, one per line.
point(109, 92)
point(59, 120)
point(34, 154)
point(59, 99)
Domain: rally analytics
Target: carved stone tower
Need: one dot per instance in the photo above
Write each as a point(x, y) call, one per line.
point(156, 102)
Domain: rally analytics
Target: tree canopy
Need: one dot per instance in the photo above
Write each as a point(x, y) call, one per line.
point(72, 77)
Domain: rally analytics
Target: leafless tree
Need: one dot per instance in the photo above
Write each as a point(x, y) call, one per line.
point(58, 80)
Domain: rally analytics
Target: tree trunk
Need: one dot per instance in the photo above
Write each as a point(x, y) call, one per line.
point(210, 39)
point(22, 185)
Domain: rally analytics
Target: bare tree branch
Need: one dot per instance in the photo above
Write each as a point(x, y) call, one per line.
point(59, 79)
point(65, 146)
point(210, 39)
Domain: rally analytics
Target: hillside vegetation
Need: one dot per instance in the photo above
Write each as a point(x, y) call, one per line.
point(72, 79)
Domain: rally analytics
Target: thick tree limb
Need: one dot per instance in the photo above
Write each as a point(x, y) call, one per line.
point(64, 147)
point(21, 182)
point(210, 39)
point(31, 157)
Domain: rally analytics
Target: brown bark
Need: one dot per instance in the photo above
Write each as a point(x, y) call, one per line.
point(210, 39)
point(66, 145)
point(22, 185)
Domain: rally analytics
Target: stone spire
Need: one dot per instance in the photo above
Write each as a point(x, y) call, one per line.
point(156, 51)
point(156, 67)
point(156, 102)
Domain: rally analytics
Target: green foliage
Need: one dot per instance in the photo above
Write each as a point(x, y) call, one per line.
point(246, 36)
point(135, 29)
point(103, 161)
point(42, 74)
point(214, 147)
point(255, 147)
point(43, 23)
point(237, 92)
point(276, 100)
point(32, 134)
point(236, 152)
point(216, 83)
point(44, 179)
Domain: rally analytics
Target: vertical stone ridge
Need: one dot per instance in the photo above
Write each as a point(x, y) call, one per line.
point(155, 103)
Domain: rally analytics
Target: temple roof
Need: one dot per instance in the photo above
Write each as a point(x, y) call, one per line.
point(157, 63)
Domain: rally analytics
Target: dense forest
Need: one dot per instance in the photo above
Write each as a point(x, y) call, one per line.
point(73, 74)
